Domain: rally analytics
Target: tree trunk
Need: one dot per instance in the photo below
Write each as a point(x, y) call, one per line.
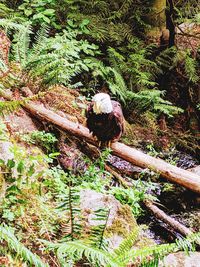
point(157, 19)
point(134, 156)
point(170, 12)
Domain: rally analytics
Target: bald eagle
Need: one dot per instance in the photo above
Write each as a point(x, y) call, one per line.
point(105, 118)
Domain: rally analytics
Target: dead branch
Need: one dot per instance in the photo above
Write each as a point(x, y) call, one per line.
point(172, 173)
point(160, 214)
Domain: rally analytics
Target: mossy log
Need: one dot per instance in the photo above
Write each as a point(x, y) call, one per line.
point(172, 173)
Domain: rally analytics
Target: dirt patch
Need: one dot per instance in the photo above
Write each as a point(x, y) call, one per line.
point(64, 100)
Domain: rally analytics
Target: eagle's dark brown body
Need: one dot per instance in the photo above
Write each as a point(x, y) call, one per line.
point(106, 126)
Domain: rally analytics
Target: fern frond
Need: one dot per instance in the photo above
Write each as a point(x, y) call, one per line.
point(22, 44)
point(191, 68)
point(3, 66)
point(190, 64)
point(114, 79)
point(97, 233)
point(151, 99)
point(81, 250)
point(40, 41)
point(6, 234)
point(123, 10)
point(127, 243)
point(10, 24)
point(149, 256)
point(71, 204)
point(4, 10)
point(187, 8)
point(165, 60)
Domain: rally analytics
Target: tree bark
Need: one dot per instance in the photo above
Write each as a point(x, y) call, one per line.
point(174, 174)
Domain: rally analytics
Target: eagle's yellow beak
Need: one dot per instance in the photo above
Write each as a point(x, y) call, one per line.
point(97, 107)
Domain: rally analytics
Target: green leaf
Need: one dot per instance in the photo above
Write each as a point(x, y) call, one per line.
point(9, 215)
point(2, 162)
point(28, 12)
point(31, 170)
point(20, 167)
point(10, 163)
point(49, 12)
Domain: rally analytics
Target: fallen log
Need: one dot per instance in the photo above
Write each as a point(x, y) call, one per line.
point(174, 174)
point(161, 215)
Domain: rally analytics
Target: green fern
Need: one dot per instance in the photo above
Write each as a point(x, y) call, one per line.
point(152, 100)
point(3, 67)
point(165, 60)
point(4, 10)
point(39, 41)
point(128, 242)
point(80, 250)
point(11, 24)
point(12, 105)
point(22, 44)
point(186, 9)
point(97, 233)
point(109, 21)
point(70, 203)
point(150, 256)
point(6, 234)
point(184, 58)
point(191, 68)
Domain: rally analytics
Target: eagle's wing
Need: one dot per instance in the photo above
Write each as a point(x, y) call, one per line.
point(88, 114)
point(118, 116)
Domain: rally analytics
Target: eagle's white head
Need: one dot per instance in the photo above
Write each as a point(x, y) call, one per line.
point(102, 103)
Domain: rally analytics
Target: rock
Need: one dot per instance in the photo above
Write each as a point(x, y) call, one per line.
point(21, 122)
point(181, 259)
point(5, 150)
point(124, 166)
point(120, 222)
point(71, 158)
point(185, 27)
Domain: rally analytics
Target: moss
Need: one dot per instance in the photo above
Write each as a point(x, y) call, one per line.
point(118, 227)
point(144, 242)
point(123, 224)
point(126, 213)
